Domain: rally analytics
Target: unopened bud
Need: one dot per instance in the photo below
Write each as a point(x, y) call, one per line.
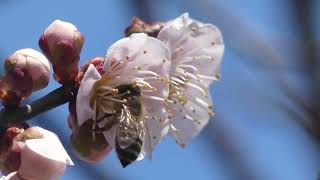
point(139, 26)
point(89, 148)
point(26, 71)
point(61, 42)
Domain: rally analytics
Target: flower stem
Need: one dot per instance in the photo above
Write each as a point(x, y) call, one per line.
point(21, 114)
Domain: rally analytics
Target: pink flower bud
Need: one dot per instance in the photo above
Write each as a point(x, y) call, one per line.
point(139, 26)
point(89, 148)
point(26, 71)
point(61, 42)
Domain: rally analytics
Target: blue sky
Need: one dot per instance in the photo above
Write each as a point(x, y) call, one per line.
point(270, 144)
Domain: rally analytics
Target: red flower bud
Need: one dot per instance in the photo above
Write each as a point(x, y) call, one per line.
point(61, 42)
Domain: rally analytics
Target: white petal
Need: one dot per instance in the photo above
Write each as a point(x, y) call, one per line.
point(189, 120)
point(201, 43)
point(84, 111)
point(43, 158)
point(54, 140)
point(49, 147)
point(61, 27)
point(136, 54)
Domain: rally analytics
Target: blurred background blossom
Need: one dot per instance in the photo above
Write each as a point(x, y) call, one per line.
point(267, 123)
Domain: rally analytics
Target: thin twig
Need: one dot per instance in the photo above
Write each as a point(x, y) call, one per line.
point(21, 114)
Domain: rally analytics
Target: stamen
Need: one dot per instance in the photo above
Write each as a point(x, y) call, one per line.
point(106, 88)
point(202, 76)
point(124, 93)
point(149, 90)
point(204, 92)
point(145, 72)
point(174, 128)
point(114, 99)
point(142, 83)
point(186, 116)
point(177, 80)
point(208, 106)
point(188, 66)
point(194, 58)
point(156, 98)
point(153, 78)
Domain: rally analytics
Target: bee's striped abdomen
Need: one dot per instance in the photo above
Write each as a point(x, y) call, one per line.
point(129, 154)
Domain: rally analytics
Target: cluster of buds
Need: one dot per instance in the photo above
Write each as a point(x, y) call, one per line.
point(27, 70)
point(35, 153)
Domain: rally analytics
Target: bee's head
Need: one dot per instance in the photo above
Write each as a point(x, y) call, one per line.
point(133, 90)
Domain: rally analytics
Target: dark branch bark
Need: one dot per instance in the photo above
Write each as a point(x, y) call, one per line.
point(21, 114)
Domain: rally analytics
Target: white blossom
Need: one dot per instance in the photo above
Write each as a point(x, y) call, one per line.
point(197, 49)
point(140, 60)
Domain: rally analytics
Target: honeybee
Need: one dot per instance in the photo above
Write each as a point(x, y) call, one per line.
point(128, 118)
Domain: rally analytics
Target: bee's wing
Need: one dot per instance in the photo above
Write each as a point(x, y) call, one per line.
point(129, 129)
point(146, 146)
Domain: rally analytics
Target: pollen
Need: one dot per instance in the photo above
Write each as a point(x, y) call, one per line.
point(211, 114)
point(163, 60)
point(145, 52)
point(212, 43)
point(127, 57)
point(194, 29)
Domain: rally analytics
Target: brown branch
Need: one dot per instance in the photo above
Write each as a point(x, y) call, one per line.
point(21, 114)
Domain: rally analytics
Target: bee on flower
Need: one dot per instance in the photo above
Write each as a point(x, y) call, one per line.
point(127, 102)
